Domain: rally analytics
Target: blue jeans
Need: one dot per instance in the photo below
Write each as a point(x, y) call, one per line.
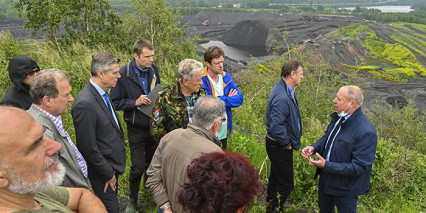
point(327, 202)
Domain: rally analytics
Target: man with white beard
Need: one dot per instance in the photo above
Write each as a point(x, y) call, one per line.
point(30, 170)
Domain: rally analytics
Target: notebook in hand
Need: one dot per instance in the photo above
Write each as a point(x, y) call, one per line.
point(147, 109)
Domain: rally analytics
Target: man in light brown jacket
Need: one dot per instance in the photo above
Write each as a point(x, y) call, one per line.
point(179, 147)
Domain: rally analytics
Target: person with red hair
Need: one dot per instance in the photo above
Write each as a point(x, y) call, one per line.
point(220, 182)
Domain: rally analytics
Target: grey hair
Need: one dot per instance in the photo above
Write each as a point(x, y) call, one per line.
point(103, 61)
point(207, 111)
point(354, 93)
point(44, 84)
point(187, 69)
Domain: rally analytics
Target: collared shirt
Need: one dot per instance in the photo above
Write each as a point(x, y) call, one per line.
point(190, 102)
point(291, 90)
point(332, 142)
point(57, 120)
point(142, 76)
point(102, 92)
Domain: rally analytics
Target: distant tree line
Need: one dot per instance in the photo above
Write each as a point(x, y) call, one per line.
point(7, 10)
point(418, 16)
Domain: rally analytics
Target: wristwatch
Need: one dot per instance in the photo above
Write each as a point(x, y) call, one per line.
point(164, 208)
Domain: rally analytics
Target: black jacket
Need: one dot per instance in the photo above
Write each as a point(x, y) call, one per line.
point(19, 95)
point(128, 89)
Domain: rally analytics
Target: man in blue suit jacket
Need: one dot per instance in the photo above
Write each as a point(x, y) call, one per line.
point(284, 129)
point(99, 134)
point(345, 154)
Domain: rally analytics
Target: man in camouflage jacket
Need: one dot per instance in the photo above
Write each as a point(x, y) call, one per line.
point(174, 105)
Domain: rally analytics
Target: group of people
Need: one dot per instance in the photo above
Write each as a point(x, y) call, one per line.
point(180, 146)
point(196, 109)
point(343, 156)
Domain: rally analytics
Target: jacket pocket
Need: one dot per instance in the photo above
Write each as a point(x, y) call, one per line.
point(106, 151)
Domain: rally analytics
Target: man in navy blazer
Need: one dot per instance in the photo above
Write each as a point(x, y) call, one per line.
point(99, 134)
point(284, 129)
point(345, 153)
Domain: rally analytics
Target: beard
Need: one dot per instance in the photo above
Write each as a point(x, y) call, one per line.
point(20, 186)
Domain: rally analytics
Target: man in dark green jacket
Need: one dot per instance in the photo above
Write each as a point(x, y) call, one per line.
point(174, 105)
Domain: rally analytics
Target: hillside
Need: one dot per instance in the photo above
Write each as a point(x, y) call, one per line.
point(324, 39)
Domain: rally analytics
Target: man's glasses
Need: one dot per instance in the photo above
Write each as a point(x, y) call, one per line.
point(223, 119)
point(34, 71)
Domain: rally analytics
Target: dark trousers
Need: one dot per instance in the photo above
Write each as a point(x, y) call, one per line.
point(224, 143)
point(109, 198)
point(281, 177)
point(326, 202)
point(142, 148)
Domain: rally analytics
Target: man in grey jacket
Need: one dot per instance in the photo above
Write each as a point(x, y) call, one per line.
point(179, 147)
point(51, 96)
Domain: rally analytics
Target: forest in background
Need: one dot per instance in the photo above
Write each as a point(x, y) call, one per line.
point(399, 173)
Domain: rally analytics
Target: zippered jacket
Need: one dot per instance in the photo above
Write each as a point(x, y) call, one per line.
point(233, 101)
point(128, 89)
point(283, 121)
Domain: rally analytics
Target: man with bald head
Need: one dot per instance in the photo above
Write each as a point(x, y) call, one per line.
point(30, 170)
point(345, 153)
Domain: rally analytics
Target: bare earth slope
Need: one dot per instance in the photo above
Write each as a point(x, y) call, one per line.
point(312, 33)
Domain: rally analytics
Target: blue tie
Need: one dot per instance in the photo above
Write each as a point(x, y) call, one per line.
point(106, 98)
point(331, 137)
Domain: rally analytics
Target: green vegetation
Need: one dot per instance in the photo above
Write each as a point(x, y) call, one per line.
point(399, 169)
point(7, 10)
point(396, 61)
point(410, 35)
point(399, 173)
point(88, 22)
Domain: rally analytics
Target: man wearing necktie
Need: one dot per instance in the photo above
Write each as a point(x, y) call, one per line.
point(345, 154)
point(99, 133)
point(51, 95)
point(284, 129)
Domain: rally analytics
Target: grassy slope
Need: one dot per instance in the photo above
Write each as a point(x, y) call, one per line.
point(392, 61)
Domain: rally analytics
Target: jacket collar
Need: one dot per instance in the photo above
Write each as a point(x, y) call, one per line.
point(357, 113)
point(177, 92)
point(205, 73)
point(132, 75)
point(101, 102)
point(201, 131)
point(287, 91)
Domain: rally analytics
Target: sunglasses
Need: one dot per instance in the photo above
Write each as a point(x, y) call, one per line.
point(223, 119)
point(34, 71)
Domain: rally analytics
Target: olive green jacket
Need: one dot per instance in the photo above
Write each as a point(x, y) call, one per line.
point(170, 111)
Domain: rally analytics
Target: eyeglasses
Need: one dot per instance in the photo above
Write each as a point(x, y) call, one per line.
point(223, 119)
point(34, 71)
